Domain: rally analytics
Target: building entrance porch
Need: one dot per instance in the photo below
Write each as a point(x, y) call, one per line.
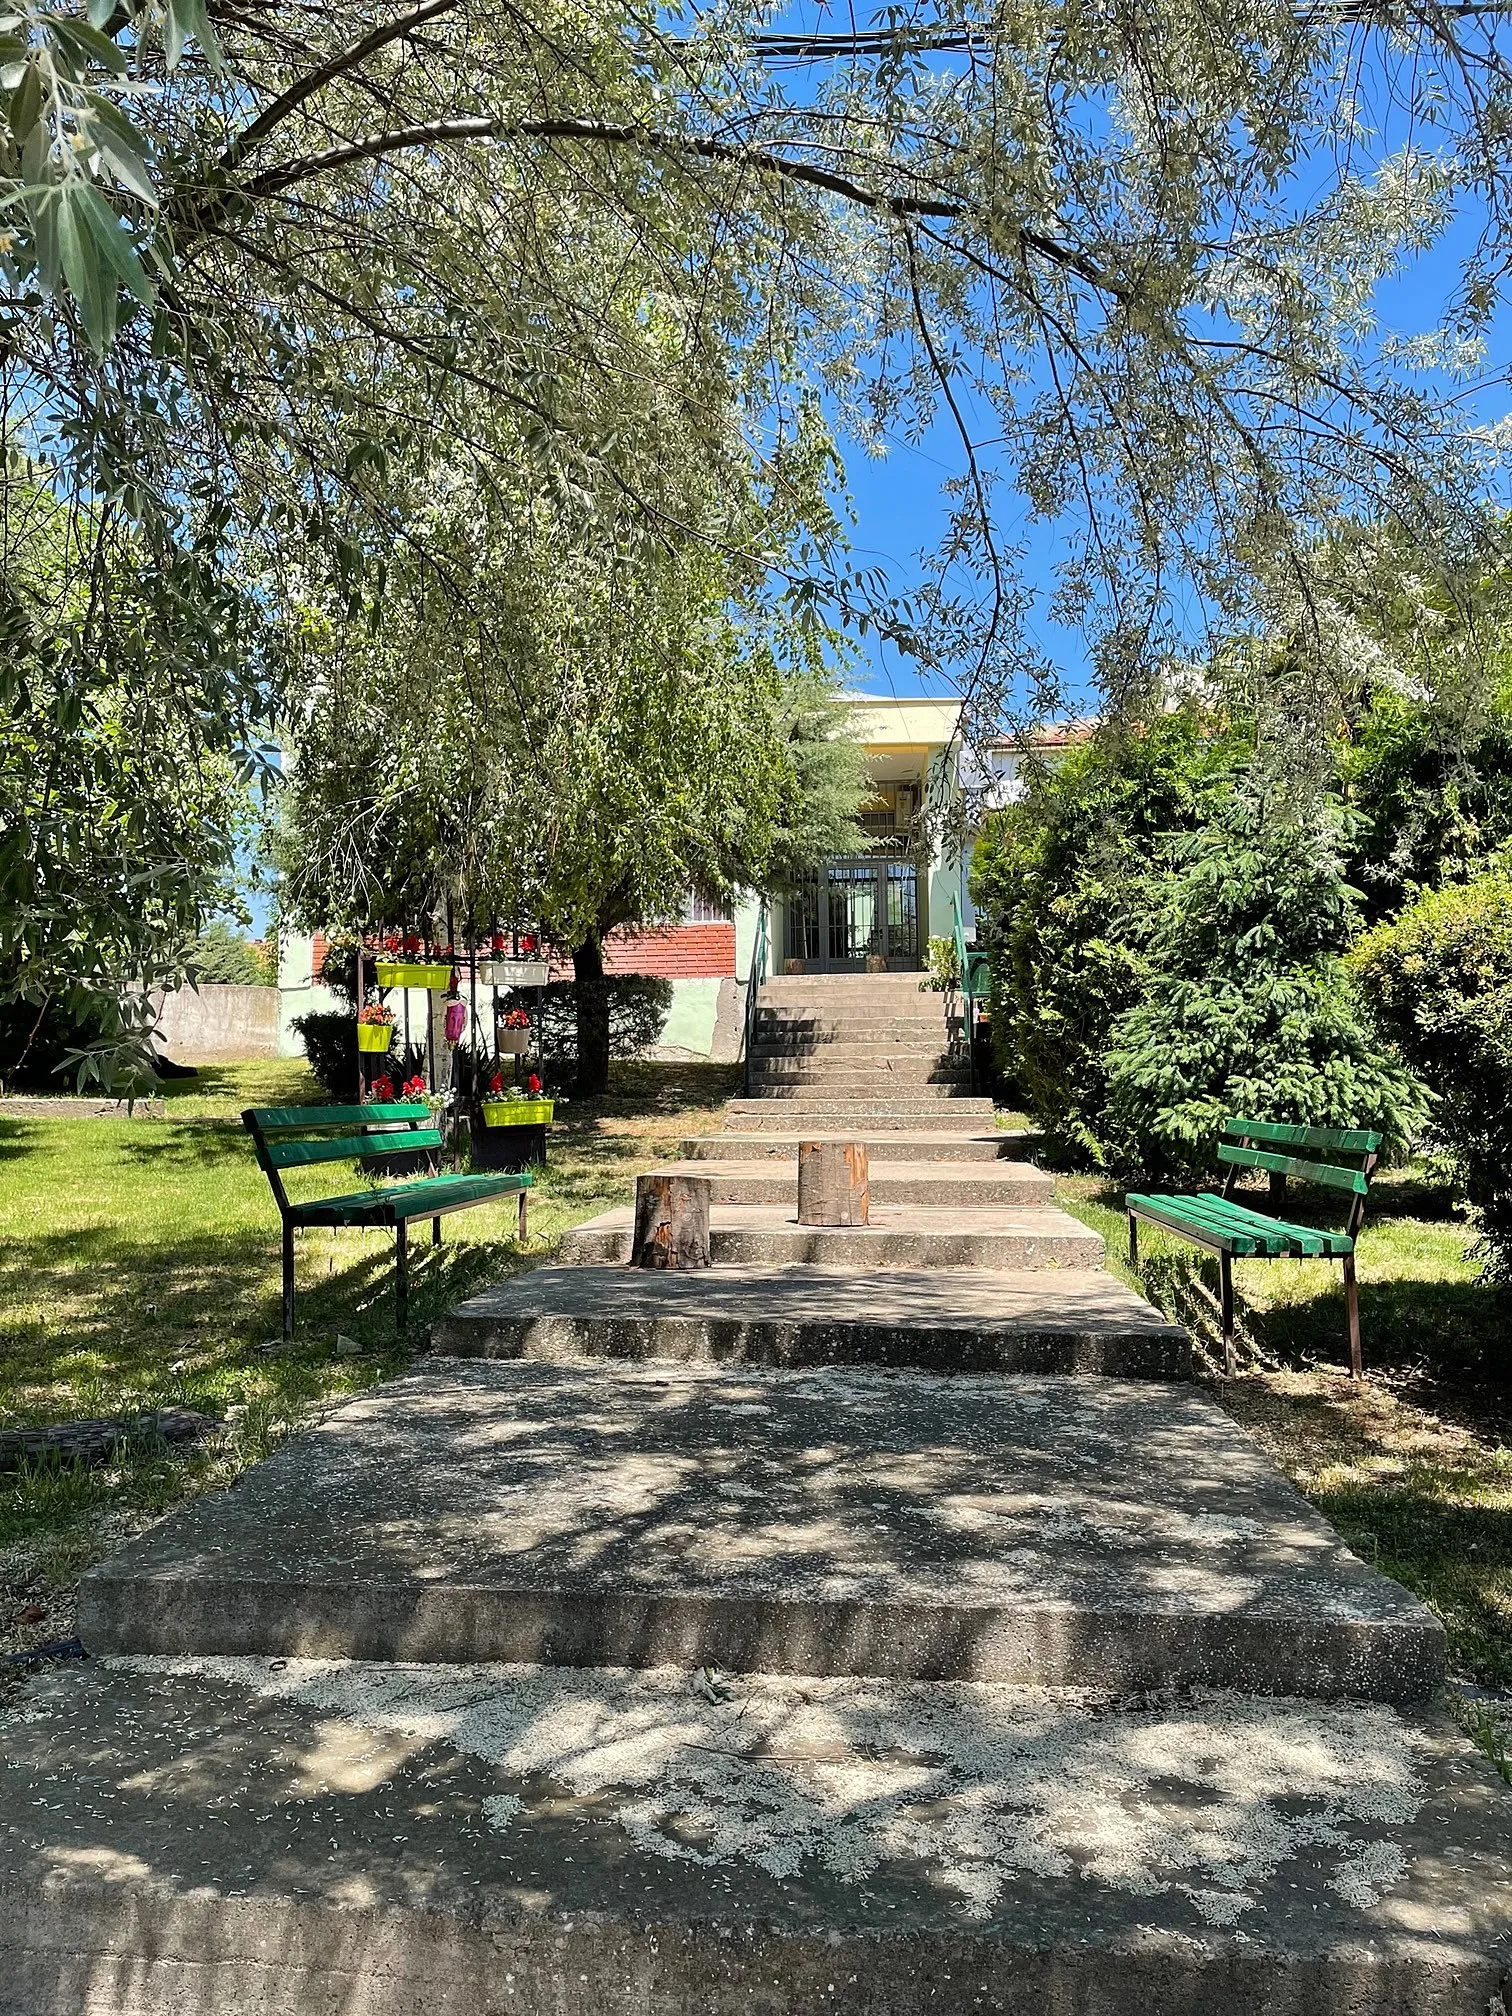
point(853, 912)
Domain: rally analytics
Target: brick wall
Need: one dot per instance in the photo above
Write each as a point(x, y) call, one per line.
point(681, 952)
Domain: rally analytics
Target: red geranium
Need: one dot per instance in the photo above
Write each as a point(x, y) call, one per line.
point(498, 941)
point(414, 1088)
point(532, 1083)
point(383, 1091)
point(496, 1085)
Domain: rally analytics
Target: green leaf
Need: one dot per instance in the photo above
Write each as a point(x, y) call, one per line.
point(26, 101)
point(115, 245)
point(187, 21)
point(120, 147)
point(100, 12)
point(86, 42)
point(93, 291)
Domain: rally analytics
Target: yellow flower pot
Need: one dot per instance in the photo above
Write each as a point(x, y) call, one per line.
point(374, 1035)
point(517, 1112)
point(415, 973)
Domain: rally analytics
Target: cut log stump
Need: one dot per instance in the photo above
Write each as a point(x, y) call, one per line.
point(671, 1221)
point(833, 1185)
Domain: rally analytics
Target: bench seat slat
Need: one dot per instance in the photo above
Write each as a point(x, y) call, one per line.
point(1272, 1238)
point(1332, 1140)
point(308, 1119)
point(1244, 1233)
point(432, 1197)
point(1290, 1165)
point(348, 1147)
point(1177, 1214)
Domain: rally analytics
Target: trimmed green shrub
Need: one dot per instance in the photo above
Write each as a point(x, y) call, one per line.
point(1439, 979)
point(330, 1041)
point(1061, 884)
point(1248, 1006)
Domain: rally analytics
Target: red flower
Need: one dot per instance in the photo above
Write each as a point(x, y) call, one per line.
point(411, 943)
point(496, 1084)
point(383, 1091)
point(498, 941)
point(533, 1083)
point(528, 943)
point(391, 943)
point(414, 1088)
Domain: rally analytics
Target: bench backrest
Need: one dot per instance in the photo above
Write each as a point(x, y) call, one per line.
point(1340, 1158)
point(289, 1137)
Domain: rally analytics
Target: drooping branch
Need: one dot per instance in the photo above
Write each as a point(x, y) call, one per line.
point(901, 204)
point(339, 65)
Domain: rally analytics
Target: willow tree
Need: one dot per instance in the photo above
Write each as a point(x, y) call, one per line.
point(562, 722)
point(1135, 246)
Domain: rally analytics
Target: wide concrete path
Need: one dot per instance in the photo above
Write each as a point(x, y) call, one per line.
point(1068, 1531)
point(254, 1838)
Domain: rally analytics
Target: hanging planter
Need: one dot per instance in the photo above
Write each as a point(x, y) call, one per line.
point(431, 973)
point(375, 1029)
point(512, 1037)
point(518, 1112)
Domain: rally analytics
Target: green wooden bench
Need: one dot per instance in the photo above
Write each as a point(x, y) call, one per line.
point(1230, 1229)
point(290, 1137)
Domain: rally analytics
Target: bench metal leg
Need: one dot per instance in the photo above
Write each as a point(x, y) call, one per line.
point(435, 1231)
point(1226, 1309)
point(288, 1281)
point(1352, 1318)
point(523, 1195)
point(401, 1273)
point(1133, 1241)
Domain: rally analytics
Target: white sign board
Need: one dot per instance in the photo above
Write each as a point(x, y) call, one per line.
point(513, 972)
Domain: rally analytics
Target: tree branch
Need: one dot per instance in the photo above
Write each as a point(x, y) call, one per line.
point(374, 146)
point(337, 66)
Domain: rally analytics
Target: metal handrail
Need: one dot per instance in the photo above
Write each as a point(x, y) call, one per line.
point(755, 979)
point(963, 965)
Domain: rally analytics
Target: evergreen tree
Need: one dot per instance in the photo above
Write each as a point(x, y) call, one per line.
point(1248, 1008)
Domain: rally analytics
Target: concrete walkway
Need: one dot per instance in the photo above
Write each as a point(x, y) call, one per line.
point(837, 1684)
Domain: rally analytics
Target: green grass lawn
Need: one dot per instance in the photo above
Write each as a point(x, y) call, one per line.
point(139, 1267)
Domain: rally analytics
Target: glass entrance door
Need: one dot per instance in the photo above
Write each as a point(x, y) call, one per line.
point(854, 909)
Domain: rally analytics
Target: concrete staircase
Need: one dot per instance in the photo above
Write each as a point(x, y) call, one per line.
point(872, 1622)
point(844, 1050)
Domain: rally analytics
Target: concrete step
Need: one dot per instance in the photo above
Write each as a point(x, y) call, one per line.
point(867, 1085)
point(1007, 1144)
point(779, 1073)
point(899, 1235)
point(953, 1185)
point(863, 1037)
point(1059, 1531)
point(193, 1838)
point(811, 1117)
point(943, 1320)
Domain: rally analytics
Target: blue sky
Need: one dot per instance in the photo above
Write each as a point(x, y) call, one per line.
point(899, 510)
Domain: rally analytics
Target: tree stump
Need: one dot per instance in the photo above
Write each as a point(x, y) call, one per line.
point(833, 1186)
point(671, 1221)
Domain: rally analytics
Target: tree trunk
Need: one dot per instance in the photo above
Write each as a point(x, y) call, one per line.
point(833, 1185)
point(671, 1221)
point(591, 1001)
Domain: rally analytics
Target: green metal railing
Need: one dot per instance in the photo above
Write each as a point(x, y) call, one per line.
point(755, 979)
point(967, 985)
